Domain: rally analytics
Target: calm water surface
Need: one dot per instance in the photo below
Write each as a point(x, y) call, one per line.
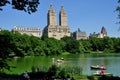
point(112, 63)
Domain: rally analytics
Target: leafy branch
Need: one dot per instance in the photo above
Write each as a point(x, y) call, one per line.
point(28, 6)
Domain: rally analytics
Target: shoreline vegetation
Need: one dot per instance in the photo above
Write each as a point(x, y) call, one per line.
point(15, 45)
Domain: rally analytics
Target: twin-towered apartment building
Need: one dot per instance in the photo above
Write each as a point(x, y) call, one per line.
point(52, 29)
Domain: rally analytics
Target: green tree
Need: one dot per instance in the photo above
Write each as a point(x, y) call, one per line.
point(5, 48)
point(94, 42)
point(29, 6)
point(71, 45)
point(22, 44)
point(108, 44)
point(116, 44)
point(53, 46)
point(37, 45)
point(85, 45)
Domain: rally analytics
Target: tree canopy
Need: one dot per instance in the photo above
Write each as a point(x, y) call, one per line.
point(118, 10)
point(16, 44)
point(28, 6)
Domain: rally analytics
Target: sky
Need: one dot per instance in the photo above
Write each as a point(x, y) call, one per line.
point(88, 15)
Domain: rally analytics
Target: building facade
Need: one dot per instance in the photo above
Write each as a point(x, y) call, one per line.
point(29, 31)
point(80, 35)
point(102, 34)
point(54, 30)
point(0, 29)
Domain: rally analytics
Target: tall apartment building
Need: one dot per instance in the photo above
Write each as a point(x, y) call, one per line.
point(54, 30)
point(29, 31)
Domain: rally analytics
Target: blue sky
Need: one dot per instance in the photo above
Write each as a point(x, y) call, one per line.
point(88, 15)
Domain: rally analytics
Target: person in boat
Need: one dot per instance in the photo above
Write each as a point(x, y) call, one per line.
point(102, 72)
point(102, 67)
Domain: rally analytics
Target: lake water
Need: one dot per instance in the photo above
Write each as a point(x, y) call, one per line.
point(112, 63)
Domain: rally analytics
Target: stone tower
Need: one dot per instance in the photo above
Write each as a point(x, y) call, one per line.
point(102, 34)
point(103, 31)
point(51, 16)
point(54, 30)
point(63, 17)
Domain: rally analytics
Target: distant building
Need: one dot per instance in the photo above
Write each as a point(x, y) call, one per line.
point(93, 35)
point(28, 31)
point(54, 30)
point(0, 29)
point(102, 34)
point(79, 35)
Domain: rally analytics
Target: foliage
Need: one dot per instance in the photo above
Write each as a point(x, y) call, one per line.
point(5, 48)
point(85, 46)
point(62, 72)
point(103, 44)
point(3, 3)
point(29, 6)
point(16, 44)
point(118, 10)
point(53, 46)
point(71, 45)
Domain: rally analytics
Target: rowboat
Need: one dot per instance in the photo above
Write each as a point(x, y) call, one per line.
point(97, 67)
point(99, 74)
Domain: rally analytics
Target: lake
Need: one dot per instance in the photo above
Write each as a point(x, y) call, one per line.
point(111, 62)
